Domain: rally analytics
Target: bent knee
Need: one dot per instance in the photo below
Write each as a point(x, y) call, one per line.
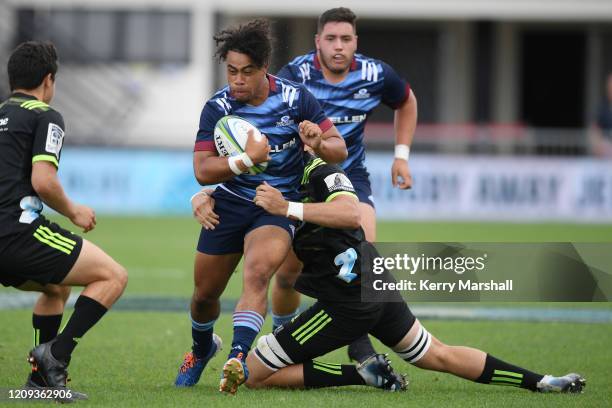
point(118, 275)
point(121, 275)
point(285, 279)
point(257, 276)
point(204, 296)
point(57, 291)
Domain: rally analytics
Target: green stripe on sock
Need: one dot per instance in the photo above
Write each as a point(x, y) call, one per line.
point(327, 370)
point(328, 365)
point(312, 333)
point(508, 373)
point(506, 384)
point(506, 379)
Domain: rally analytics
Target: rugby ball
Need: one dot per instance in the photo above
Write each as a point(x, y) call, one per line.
point(231, 136)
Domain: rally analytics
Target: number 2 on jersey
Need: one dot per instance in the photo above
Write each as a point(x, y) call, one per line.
point(346, 261)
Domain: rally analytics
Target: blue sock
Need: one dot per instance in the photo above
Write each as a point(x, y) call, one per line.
point(279, 320)
point(247, 325)
point(202, 337)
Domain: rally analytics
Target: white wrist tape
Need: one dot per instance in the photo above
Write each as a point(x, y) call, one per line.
point(402, 151)
point(246, 160)
point(199, 192)
point(233, 165)
point(295, 210)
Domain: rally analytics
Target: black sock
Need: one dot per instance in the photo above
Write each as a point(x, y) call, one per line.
point(498, 372)
point(361, 349)
point(45, 327)
point(86, 313)
point(318, 374)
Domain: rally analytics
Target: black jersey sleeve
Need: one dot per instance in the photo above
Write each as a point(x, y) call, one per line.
point(328, 181)
point(48, 137)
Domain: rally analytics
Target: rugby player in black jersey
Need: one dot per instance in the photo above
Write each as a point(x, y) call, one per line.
point(334, 253)
point(35, 253)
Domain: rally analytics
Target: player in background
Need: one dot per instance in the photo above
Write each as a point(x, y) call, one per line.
point(332, 246)
point(290, 117)
point(36, 254)
point(349, 87)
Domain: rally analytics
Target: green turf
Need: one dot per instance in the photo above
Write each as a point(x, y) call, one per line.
point(159, 252)
point(130, 359)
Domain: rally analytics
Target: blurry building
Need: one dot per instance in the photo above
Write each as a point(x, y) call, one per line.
point(509, 76)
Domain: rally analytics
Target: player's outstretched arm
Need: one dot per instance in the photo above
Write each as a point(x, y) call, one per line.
point(341, 212)
point(405, 121)
point(328, 145)
point(49, 189)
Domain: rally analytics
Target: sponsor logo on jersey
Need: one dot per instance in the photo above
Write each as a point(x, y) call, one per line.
point(361, 94)
point(284, 146)
point(55, 139)
point(4, 121)
point(338, 182)
point(348, 119)
point(285, 121)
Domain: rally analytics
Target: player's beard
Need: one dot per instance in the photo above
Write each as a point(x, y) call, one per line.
point(327, 61)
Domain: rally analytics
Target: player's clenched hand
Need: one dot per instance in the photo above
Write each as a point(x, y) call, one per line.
point(310, 133)
point(271, 200)
point(83, 217)
point(257, 150)
point(400, 174)
point(203, 206)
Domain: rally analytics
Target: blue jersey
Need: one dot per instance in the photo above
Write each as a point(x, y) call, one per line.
point(349, 103)
point(287, 105)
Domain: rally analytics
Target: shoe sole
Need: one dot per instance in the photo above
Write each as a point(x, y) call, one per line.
point(576, 387)
point(233, 376)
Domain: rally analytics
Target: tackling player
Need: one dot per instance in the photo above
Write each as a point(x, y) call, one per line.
point(349, 87)
point(333, 249)
point(36, 254)
point(290, 117)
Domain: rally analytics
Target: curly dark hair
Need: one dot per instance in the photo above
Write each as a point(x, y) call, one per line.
point(337, 15)
point(252, 39)
point(30, 62)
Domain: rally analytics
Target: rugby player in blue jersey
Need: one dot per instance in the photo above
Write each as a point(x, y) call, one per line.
point(289, 115)
point(349, 86)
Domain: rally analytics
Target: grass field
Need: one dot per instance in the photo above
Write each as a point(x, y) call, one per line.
point(131, 358)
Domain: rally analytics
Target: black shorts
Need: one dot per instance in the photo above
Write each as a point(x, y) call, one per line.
point(325, 327)
point(43, 252)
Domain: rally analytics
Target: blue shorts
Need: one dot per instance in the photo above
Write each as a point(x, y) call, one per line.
point(360, 178)
point(237, 217)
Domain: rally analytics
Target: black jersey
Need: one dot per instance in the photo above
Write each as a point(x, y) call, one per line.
point(30, 131)
point(332, 257)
